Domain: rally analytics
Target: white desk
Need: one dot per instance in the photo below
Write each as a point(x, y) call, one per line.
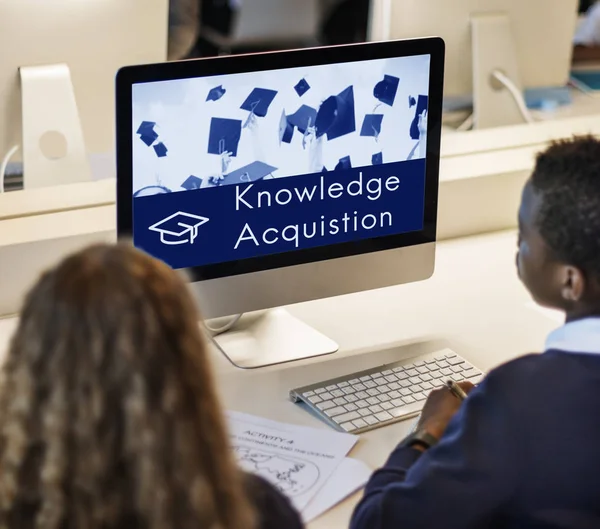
point(474, 303)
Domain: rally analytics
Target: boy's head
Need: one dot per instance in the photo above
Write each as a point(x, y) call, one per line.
point(559, 228)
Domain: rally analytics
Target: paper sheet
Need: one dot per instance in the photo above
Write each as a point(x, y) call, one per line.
point(349, 477)
point(295, 459)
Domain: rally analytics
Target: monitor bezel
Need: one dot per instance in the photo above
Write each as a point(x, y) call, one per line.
point(128, 76)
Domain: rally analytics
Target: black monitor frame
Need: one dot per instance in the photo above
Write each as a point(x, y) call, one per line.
point(128, 76)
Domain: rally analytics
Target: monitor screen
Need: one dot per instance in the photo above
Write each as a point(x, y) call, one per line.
point(237, 167)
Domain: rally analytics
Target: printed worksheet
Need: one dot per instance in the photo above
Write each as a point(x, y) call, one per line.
point(295, 459)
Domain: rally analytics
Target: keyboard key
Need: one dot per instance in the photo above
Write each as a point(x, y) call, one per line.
point(373, 392)
point(384, 398)
point(405, 392)
point(383, 416)
point(373, 401)
point(348, 426)
point(442, 364)
point(476, 379)
point(427, 386)
point(457, 369)
point(412, 372)
point(370, 384)
point(422, 370)
point(349, 390)
point(315, 399)
point(407, 410)
point(359, 387)
point(387, 405)
point(414, 380)
point(406, 384)
point(416, 388)
point(471, 373)
point(371, 420)
point(351, 398)
point(398, 369)
point(394, 394)
point(309, 394)
point(387, 372)
point(402, 376)
point(362, 395)
point(430, 361)
point(451, 355)
point(447, 372)
point(394, 386)
point(332, 412)
point(362, 379)
point(419, 396)
point(343, 384)
point(351, 416)
point(353, 381)
point(439, 358)
point(419, 363)
point(426, 377)
point(376, 409)
point(364, 412)
point(362, 404)
point(397, 403)
point(340, 401)
point(435, 373)
point(408, 400)
point(455, 361)
point(332, 387)
point(319, 391)
point(337, 393)
point(326, 396)
point(360, 423)
point(383, 388)
point(351, 407)
point(325, 405)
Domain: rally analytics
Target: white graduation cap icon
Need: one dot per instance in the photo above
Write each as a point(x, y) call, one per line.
point(179, 228)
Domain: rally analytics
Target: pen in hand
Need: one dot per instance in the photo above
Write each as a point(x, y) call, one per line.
point(455, 389)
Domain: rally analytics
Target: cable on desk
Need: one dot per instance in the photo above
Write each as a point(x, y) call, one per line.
point(515, 93)
point(11, 152)
point(224, 328)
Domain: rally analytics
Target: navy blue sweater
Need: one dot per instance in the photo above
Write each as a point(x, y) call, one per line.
point(522, 453)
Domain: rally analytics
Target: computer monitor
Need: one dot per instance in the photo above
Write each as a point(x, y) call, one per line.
point(93, 39)
point(529, 42)
point(282, 178)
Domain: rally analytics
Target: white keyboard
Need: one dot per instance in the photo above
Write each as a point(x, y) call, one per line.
point(377, 397)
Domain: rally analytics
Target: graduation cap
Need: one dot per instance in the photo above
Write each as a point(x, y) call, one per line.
point(145, 126)
point(160, 150)
point(302, 87)
point(286, 129)
point(411, 101)
point(344, 163)
point(303, 118)
point(249, 173)
point(336, 115)
point(414, 126)
point(179, 228)
point(385, 91)
point(192, 182)
point(377, 159)
point(258, 101)
point(216, 93)
point(371, 125)
point(148, 137)
point(224, 136)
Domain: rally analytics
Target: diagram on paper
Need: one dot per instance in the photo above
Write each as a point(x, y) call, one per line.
point(292, 476)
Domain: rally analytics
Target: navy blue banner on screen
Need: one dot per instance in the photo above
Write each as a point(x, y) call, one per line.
point(235, 222)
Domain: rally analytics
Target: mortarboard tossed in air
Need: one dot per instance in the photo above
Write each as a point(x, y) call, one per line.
point(303, 118)
point(179, 228)
point(249, 173)
point(411, 101)
point(192, 182)
point(224, 136)
point(258, 101)
point(377, 158)
point(414, 126)
point(336, 115)
point(371, 125)
point(344, 163)
point(161, 150)
point(147, 133)
point(286, 129)
point(216, 93)
point(385, 91)
point(302, 87)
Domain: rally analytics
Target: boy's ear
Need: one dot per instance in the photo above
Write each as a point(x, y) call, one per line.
point(573, 284)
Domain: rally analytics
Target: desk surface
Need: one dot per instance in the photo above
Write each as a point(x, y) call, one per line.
point(474, 303)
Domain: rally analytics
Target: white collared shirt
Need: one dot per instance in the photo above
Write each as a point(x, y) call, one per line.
point(581, 336)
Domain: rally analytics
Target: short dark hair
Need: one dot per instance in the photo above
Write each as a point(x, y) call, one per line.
point(567, 179)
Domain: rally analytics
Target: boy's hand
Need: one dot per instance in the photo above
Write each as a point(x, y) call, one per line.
point(439, 409)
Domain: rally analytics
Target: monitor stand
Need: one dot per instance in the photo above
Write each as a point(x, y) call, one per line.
point(493, 50)
point(271, 337)
point(52, 143)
